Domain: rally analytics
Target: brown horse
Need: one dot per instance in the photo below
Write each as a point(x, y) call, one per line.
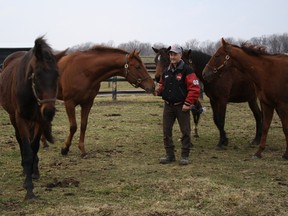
point(268, 72)
point(28, 90)
point(162, 61)
point(229, 87)
point(80, 75)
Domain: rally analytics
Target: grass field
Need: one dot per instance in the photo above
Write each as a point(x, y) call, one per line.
point(122, 174)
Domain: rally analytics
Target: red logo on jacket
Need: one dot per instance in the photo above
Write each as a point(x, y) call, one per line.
point(179, 76)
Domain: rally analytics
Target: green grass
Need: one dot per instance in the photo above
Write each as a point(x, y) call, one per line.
point(122, 174)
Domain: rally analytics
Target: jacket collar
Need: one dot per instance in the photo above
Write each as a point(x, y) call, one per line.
point(179, 66)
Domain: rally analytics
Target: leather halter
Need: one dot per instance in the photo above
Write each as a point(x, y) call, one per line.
point(216, 70)
point(138, 80)
point(39, 101)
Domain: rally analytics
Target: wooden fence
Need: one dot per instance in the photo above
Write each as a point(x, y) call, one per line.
point(114, 80)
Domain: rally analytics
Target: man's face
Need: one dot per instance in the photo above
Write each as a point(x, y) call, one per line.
point(175, 57)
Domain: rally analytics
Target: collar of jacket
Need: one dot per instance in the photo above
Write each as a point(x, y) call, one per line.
point(179, 66)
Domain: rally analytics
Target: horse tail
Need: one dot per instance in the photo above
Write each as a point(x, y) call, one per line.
point(47, 131)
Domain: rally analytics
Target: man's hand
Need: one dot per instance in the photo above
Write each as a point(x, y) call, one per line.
point(185, 108)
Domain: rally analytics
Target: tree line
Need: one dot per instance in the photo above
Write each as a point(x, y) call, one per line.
point(276, 43)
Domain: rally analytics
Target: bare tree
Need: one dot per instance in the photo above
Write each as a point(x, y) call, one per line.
point(191, 44)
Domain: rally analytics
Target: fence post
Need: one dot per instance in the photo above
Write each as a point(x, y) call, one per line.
point(114, 88)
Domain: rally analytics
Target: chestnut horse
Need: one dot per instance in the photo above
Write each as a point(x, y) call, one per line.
point(162, 61)
point(231, 87)
point(268, 72)
point(80, 75)
point(28, 91)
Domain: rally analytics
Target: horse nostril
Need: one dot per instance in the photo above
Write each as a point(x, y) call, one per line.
point(49, 113)
point(157, 78)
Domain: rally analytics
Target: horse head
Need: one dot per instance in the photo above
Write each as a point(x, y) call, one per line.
point(161, 60)
point(217, 62)
point(43, 73)
point(136, 72)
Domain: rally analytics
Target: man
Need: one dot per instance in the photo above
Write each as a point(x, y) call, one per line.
point(180, 89)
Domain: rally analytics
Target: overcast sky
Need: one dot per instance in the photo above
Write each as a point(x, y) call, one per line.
point(66, 23)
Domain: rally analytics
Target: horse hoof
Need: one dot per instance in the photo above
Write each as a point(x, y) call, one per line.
point(220, 147)
point(45, 145)
point(64, 151)
point(196, 136)
point(223, 142)
point(254, 143)
point(285, 156)
point(84, 155)
point(30, 196)
point(36, 176)
point(257, 156)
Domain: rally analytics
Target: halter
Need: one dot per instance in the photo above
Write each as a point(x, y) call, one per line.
point(36, 96)
point(138, 80)
point(216, 70)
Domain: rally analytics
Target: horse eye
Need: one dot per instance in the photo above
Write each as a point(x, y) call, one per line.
point(217, 55)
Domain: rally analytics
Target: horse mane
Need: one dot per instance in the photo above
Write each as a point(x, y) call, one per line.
point(98, 49)
point(253, 49)
point(105, 49)
point(199, 57)
point(102, 50)
point(42, 50)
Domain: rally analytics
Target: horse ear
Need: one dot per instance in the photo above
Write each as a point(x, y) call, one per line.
point(189, 52)
point(168, 49)
point(223, 42)
point(59, 55)
point(37, 50)
point(137, 53)
point(155, 50)
point(132, 54)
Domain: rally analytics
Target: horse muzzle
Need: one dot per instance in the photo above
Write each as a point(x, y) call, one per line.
point(208, 75)
point(48, 112)
point(150, 88)
point(157, 78)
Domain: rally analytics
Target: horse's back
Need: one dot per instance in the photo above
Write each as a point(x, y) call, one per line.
point(7, 81)
point(10, 58)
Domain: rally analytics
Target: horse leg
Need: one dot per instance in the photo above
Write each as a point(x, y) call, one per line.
point(258, 118)
point(85, 110)
point(267, 118)
point(35, 144)
point(219, 112)
point(44, 142)
point(26, 155)
point(18, 138)
point(282, 113)
point(70, 110)
point(196, 117)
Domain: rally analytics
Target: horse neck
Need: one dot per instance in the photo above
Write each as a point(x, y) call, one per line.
point(247, 64)
point(199, 60)
point(107, 65)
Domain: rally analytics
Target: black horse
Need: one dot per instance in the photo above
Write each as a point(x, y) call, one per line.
point(162, 61)
point(229, 87)
point(28, 91)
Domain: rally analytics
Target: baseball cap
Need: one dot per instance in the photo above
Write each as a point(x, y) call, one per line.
point(176, 49)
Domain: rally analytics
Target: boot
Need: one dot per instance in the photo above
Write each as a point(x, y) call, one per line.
point(184, 157)
point(184, 161)
point(167, 159)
